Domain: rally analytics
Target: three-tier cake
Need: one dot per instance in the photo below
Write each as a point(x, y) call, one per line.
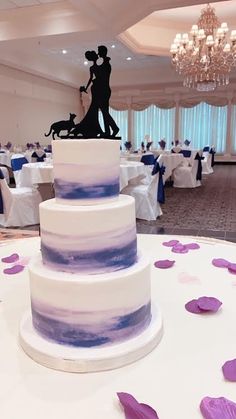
point(90, 287)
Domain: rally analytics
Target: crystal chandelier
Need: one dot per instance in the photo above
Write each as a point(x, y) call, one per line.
point(206, 60)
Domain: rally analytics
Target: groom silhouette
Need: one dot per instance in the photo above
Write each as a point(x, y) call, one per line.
point(103, 81)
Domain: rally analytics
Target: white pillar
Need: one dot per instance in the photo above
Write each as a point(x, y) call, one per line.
point(229, 145)
point(177, 114)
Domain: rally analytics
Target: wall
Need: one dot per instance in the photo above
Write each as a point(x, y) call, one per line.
point(29, 104)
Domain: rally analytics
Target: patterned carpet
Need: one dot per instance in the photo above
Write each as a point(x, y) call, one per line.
point(209, 210)
point(11, 234)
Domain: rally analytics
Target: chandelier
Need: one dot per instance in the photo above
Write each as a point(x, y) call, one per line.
point(206, 60)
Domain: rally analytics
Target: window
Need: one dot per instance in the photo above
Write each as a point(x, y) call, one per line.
point(204, 125)
point(156, 122)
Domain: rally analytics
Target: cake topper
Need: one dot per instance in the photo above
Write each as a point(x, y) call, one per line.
point(99, 80)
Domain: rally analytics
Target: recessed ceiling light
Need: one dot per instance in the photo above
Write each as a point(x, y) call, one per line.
point(85, 62)
point(113, 46)
point(64, 51)
point(128, 58)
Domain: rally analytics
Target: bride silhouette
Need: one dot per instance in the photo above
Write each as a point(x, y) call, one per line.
point(89, 126)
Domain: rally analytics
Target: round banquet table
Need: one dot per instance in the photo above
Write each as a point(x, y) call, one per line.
point(5, 158)
point(37, 173)
point(173, 378)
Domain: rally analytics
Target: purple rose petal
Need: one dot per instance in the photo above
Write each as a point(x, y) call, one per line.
point(209, 304)
point(232, 268)
point(218, 408)
point(164, 264)
point(14, 270)
point(192, 246)
point(180, 248)
point(192, 307)
point(229, 370)
point(220, 263)
point(10, 259)
point(135, 410)
point(170, 243)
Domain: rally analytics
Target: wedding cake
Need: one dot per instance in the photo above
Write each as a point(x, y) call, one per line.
point(90, 285)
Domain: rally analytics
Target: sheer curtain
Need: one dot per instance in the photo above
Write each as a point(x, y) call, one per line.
point(233, 128)
point(121, 119)
point(204, 125)
point(156, 122)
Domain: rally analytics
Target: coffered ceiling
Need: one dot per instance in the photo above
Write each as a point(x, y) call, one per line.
point(49, 37)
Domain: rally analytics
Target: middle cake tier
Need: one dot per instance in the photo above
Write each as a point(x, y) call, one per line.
point(89, 239)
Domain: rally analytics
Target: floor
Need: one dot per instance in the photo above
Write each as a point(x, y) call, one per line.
point(208, 211)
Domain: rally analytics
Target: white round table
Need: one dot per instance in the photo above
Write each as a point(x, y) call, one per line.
point(5, 158)
point(37, 173)
point(173, 379)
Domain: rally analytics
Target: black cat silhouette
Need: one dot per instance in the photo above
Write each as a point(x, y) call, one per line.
point(59, 126)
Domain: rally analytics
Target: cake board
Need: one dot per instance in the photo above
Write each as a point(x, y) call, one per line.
point(82, 360)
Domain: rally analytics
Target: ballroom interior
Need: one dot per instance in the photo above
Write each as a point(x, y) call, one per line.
point(147, 189)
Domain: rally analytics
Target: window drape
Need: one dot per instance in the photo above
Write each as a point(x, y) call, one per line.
point(156, 122)
point(204, 125)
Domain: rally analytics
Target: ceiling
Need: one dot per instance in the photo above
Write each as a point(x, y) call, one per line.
point(33, 34)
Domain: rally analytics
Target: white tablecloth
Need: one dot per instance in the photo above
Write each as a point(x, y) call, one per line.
point(5, 158)
point(184, 367)
point(36, 173)
point(170, 161)
point(131, 170)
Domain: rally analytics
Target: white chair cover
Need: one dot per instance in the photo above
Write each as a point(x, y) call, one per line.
point(184, 176)
point(17, 161)
point(146, 205)
point(21, 206)
point(206, 163)
point(6, 174)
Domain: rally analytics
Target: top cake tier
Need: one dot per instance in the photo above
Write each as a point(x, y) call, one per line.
point(86, 171)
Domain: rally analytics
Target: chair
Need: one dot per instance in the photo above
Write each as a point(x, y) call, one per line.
point(5, 173)
point(207, 160)
point(38, 156)
point(147, 206)
point(19, 207)
point(17, 161)
point(188, 174)
point(148, 159)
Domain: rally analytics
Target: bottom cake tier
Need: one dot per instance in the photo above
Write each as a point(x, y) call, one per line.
point(90, 310)
point(83, 323)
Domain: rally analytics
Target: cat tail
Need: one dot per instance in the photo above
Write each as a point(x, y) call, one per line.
point(47, 135)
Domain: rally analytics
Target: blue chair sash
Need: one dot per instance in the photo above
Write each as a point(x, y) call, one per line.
point(207, 148)
point(1, 200)
point(148, 160)
point(186, 153)
point(160, 190)
point(39, 158)
point(199, 167)
point(212, 152)
point(17, 163)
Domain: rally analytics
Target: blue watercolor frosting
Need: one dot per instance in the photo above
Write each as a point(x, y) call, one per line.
point(115, 329)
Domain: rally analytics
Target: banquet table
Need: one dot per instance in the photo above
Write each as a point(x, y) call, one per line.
point(5, 158)
point(38, 173)
point(170, 161)
point(173, 378)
